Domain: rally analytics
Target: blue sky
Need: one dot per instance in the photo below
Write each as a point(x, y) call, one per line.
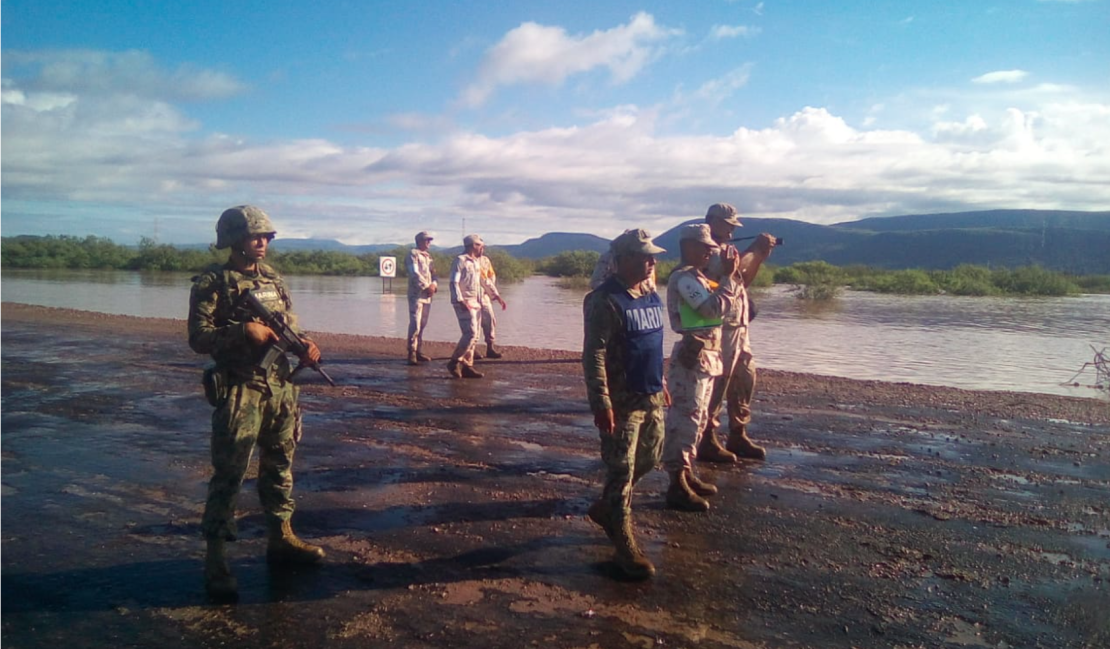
point(367, 121)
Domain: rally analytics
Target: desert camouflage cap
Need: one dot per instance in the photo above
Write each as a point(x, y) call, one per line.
point(239, 222)
point(723, 212)
point(471, 239)
point(698, 232)
point(425, 235)
point(633, 242)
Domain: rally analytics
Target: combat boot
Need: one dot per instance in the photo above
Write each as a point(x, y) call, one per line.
point(468, 372)
point(285, 547)
point(478, 355)
point(453, 369)
point(602, 514)
point(219, 583)
point(491, 352)
point(422, 358)
point(412, 359)
point(699, 487)
point(710, 450)
point(742, 445)
point(630, 558)
point(681, 497)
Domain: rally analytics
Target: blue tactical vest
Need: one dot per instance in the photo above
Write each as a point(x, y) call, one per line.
point(643, 337)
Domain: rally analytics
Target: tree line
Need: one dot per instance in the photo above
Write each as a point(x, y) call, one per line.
point(816, 280)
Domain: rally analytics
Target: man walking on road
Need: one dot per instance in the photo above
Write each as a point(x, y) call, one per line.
point(736, 383)
point(623, 363)
point(490, 294)
point(422, 288)
point(466, 297)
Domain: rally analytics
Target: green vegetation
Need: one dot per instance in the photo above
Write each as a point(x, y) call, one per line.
point(812, 280)
point(100, 253)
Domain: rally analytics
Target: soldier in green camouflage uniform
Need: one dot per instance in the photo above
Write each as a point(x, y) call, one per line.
point(255, 406)
point(623, 363)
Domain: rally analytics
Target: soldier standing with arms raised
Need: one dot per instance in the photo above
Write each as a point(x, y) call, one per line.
point(736, 383)
point(466, 297)
point(422, 288)
point(623, 363)
point(254, 405)
point(694, 310)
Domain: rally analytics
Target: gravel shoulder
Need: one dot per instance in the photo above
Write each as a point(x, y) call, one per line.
point(887, 515)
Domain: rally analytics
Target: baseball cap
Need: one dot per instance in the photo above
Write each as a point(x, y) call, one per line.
point(723, 212)
point(424, 235)
point(697, 232)
point(471, 239)
point(632, 242)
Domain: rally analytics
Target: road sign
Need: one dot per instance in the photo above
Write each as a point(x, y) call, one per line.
point(387, 266)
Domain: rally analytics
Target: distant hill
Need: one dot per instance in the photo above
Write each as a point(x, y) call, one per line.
point(1075, 242)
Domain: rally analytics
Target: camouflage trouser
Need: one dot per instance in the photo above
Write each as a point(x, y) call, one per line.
point(248, 418)
point(419, 310)
point(470, 324)
point(489, 321)
point(630, 453)
point(690, 390)
point(737, 384)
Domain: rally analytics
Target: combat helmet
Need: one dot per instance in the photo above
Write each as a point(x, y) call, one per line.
point(237, 223)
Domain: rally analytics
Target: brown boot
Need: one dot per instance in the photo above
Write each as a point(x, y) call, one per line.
point(742, 445)
point(219, 583)
point(630, 559)
point(710, 450)
point(468, 372)
point(699, 487)
point(285, 547)
point(453, 369)
point(681, 497)
point(601, 513)
point(491, 352)
point(412, 359)
point(422, 358)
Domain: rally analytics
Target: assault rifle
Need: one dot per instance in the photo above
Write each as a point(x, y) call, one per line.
point(288, 340)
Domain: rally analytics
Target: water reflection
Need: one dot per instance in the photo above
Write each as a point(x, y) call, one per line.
point(979, 343)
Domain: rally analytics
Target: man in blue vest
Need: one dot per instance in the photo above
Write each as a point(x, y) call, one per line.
point(623, 362)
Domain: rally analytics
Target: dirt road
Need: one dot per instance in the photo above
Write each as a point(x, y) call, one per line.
point(453, 511)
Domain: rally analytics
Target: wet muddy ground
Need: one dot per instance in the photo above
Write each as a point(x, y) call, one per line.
point(887, 515)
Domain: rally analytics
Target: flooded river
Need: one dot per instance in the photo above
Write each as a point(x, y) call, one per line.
point(1029, 345)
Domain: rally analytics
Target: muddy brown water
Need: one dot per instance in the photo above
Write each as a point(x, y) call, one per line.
point(887, 515)
point(987, 343)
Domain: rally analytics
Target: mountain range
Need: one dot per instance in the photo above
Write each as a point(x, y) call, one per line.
point(1068, 241)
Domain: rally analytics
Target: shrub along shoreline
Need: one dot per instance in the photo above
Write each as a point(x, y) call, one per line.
point(816, 280)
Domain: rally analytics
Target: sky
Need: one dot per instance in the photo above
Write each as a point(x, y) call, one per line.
point(366, 121)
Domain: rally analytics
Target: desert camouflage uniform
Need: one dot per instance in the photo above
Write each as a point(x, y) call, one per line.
point(737, 381)
point(695, 360)
point(489, 293)
point(466, 297)
point(260, 409)
point(633, 449)
point(422, 275)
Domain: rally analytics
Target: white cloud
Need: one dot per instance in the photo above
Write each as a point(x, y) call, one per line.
point(717, 90)
point(74, 151)
point(720, 32)
point(534, 53)
point(1001, 76)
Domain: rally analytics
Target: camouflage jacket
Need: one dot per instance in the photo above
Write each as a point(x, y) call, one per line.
point(217, 321)
point(603, 354)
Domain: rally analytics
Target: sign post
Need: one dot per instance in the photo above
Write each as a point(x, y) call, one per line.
point(387, 269)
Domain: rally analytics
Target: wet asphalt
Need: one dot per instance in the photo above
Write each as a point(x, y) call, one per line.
point(453, 515)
